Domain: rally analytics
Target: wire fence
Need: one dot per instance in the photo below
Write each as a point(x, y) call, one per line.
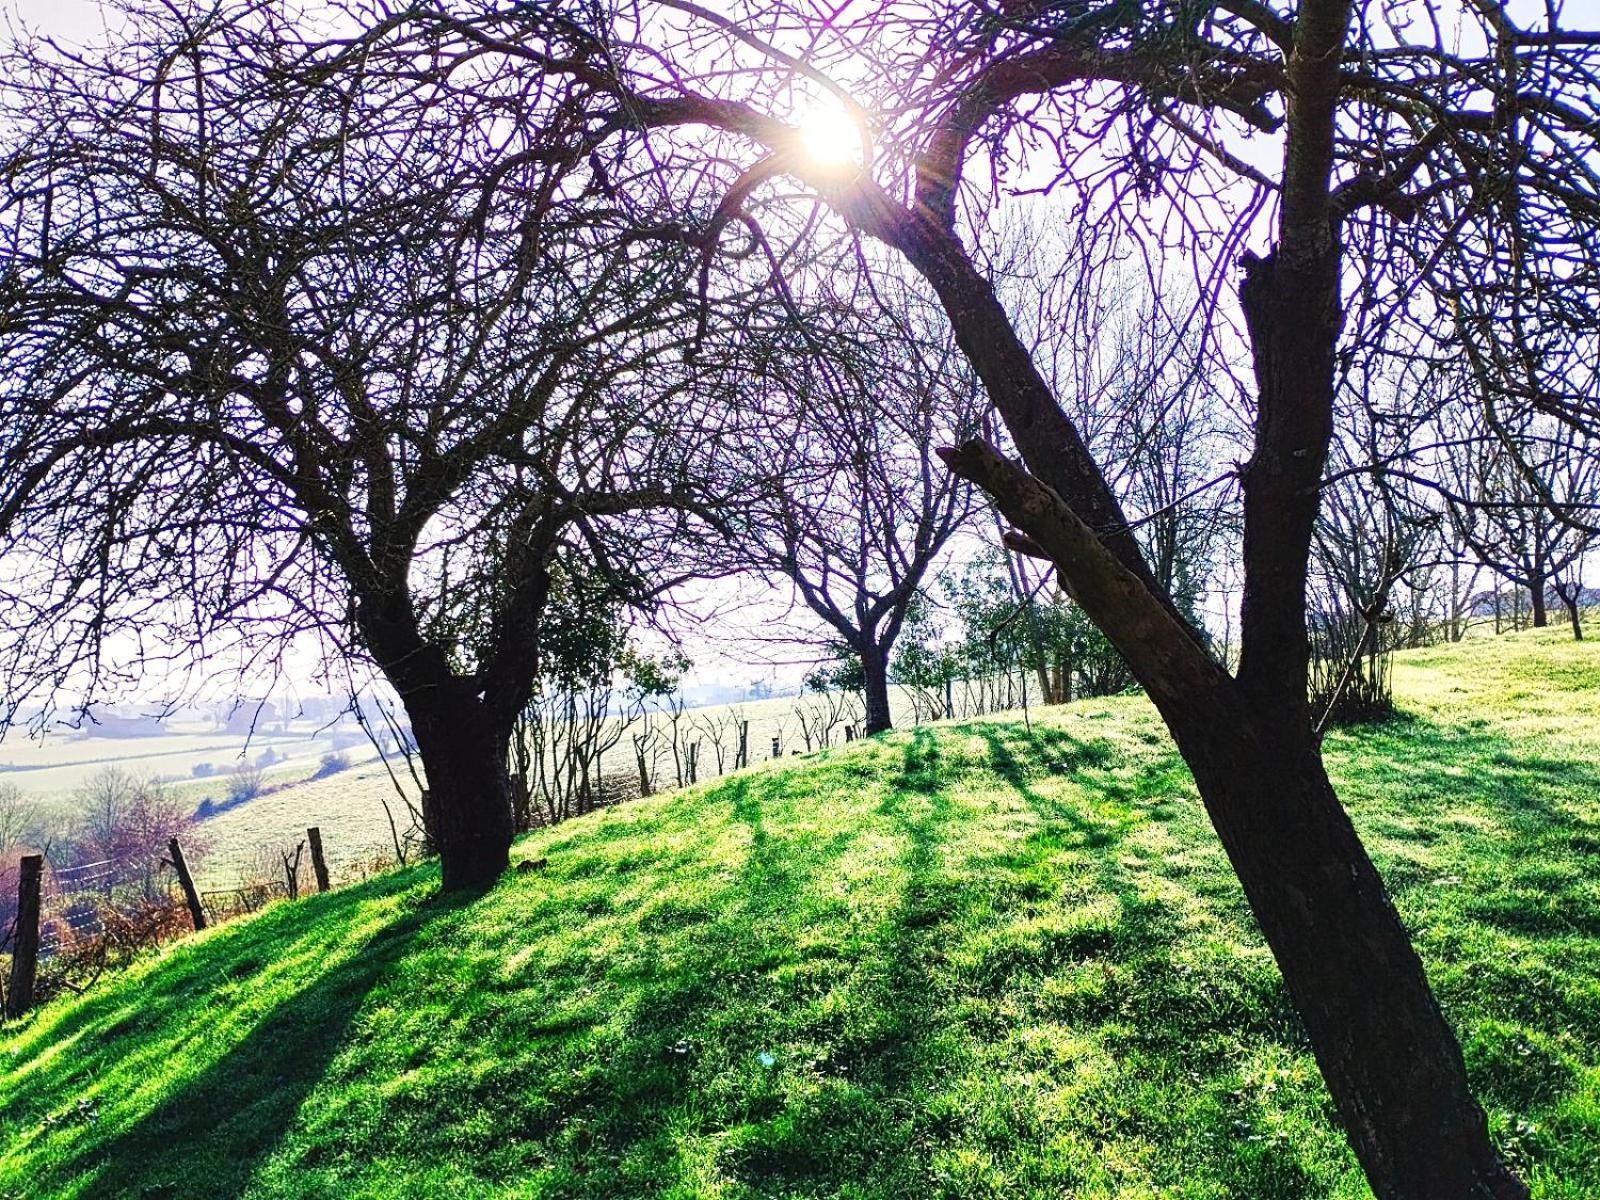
point(64, 923)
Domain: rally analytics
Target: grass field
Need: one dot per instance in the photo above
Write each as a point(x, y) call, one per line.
point(959, 961)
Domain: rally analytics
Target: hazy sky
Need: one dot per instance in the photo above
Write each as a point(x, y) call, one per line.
point(60, 18)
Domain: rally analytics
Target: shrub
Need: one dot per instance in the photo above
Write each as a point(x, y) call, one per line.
point(331, 764)
point(245, 783)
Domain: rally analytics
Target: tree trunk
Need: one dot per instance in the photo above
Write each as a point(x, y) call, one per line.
point(875, 683)
point(1541, 618)
point(467, 807)
point(1570, 603)
point(1391, 1061)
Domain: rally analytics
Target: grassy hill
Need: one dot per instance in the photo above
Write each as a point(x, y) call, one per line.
point(963, 961)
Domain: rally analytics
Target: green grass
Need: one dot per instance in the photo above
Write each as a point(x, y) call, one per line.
point(959, 961)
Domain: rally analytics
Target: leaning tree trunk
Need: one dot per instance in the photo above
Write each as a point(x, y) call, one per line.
point(468, 806)
point(1390, 1060)
point(875, 685)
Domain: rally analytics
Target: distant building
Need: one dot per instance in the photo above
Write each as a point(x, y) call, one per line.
point(251, 716)
point(110, 725)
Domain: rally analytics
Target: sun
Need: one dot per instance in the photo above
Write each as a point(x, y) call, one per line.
point(830, 136)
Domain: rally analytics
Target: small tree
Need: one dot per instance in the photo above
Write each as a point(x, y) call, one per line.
point(1526, 507)
point(21, 819)
point(857, 507)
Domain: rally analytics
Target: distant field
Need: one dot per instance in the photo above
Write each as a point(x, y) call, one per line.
point(52, 770)
point(349, 807)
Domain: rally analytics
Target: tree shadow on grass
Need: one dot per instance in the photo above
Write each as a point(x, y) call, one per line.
point(208, 1137)
point(864, 1138)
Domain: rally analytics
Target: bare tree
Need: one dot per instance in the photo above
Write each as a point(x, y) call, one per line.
point(858, 507)
point(1525, 509)
point(304, 347)
point(1153, 117)
point(21, 819)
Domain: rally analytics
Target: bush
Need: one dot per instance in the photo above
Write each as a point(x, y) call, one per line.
point(245, 783)
point(331, 764)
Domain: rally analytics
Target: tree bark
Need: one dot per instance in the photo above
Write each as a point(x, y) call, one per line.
point(875, 685)
point(1391, 1061)
point(1541, 616)
point(467, 807)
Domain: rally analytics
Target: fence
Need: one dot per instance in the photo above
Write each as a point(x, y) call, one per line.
point(70, 923)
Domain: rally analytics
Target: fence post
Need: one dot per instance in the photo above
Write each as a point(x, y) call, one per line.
point(25, 941)
point(319, 865)
point(191, 897)
point(777, 748)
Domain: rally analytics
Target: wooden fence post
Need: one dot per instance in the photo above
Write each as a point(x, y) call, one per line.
point(25, 940)
point(777, 749)
point(319, 865)
point(197, 914)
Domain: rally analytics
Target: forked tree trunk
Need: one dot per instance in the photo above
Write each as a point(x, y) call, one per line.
point(462, 725)
point(468, 805)
point(875, 685)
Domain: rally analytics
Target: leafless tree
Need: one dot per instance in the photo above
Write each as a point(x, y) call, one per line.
point(301, 344)
point(21, 819)
point(858, 507)
point(1526, 509)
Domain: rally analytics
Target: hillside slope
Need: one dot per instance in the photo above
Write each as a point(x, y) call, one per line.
point(979, 960)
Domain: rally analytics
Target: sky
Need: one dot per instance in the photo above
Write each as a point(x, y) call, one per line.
point(66, 19)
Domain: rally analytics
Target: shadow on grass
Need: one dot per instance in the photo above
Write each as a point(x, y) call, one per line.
point(209, 1133)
